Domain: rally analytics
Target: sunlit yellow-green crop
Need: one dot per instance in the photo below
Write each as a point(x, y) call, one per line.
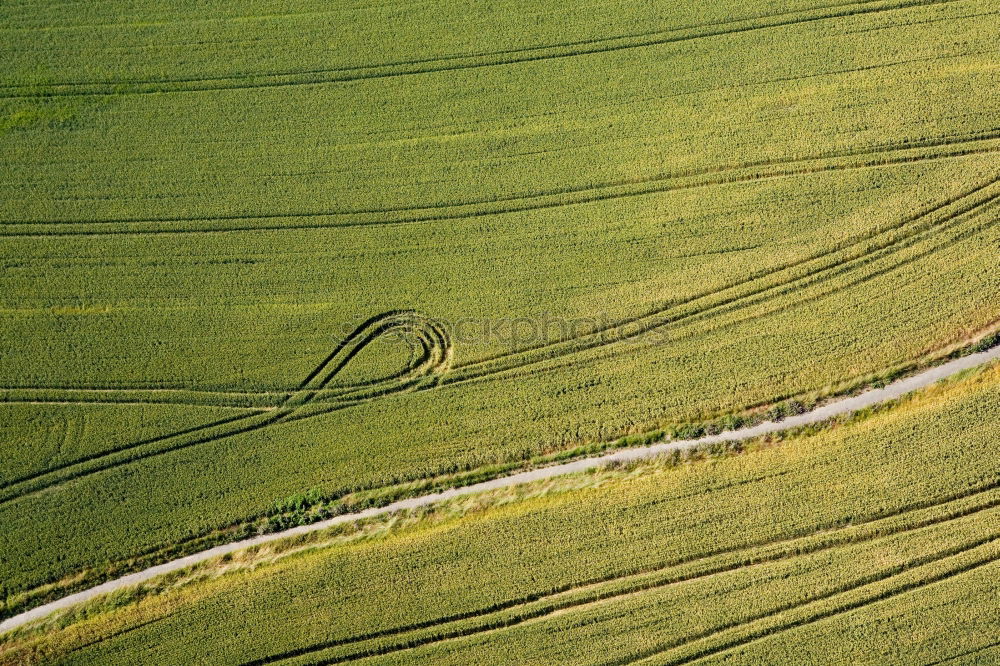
point(876, 541)
point(253, 252)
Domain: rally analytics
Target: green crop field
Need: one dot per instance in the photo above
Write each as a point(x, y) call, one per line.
point(816, 546)
point(258, 251)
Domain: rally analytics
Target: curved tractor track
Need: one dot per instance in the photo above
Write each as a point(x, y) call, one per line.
point(983, 500)
point(431, 359)
point(464, 61)
point(859, 259)
point(975, 500)
point(952, 146)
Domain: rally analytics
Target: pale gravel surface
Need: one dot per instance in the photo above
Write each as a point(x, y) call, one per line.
point(834, 408)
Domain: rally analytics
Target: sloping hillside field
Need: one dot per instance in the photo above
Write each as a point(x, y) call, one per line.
point(261, 255)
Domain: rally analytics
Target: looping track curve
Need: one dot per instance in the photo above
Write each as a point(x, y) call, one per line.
point(429, 339)
point(432, 359)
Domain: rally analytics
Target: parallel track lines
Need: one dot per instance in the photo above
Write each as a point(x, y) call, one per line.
point(27, 479)
point(853, 282)
point(435, 361)
point(713, 176)
point(55, 395)
point(463, 62)
point(133, 453)
point(432, 369)
point(549, 364)
point(835, 263)
point(537, 607)
point(869, 592)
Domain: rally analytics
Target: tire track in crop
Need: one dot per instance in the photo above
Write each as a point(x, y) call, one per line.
point(835, 267)
point(465, 61)
point(437, 346)
point(434, 364)
point(965, 235)
point(431, 364)
point(459, 634)
point(258, 401)
point(19, 481)
point(732, 307)
point(844, 406)
point(826, 537)
point(283, 15)
point(838, 609)
point(966, 653)
point(878, 156)
point(263, 401)
point(423, 349)
point(811, 280)
point(869, 151)
point(425, 370)
point(64, 395)
point(828, 265)
point(275, 398)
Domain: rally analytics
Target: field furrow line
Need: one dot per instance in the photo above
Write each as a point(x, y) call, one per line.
point(461, 62)
point(732, 307)
point(436, 341)
point(434, 372)
point(836, 262)
point(632, 583)
point(870, 591)
point(713, 176)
